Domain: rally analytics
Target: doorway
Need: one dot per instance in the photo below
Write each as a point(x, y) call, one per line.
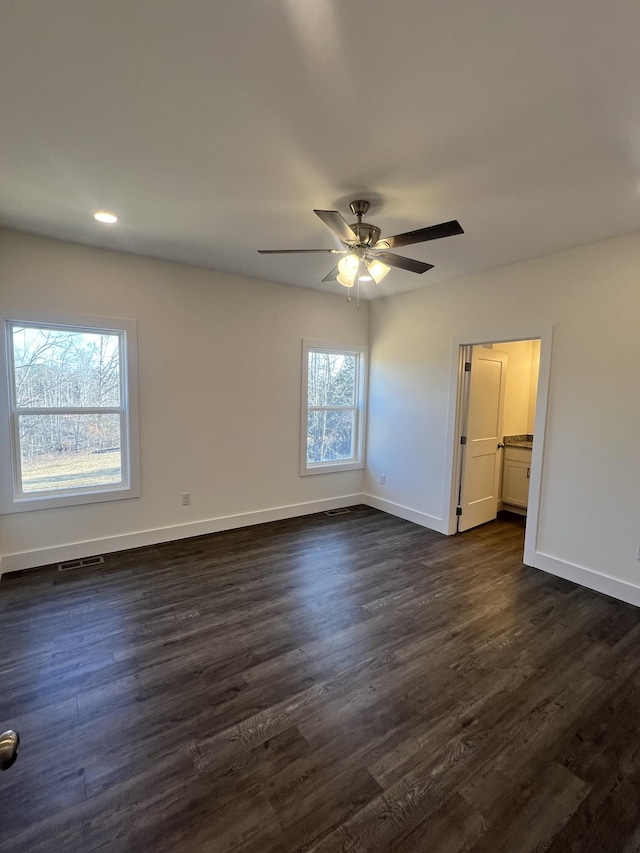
point(480, 426)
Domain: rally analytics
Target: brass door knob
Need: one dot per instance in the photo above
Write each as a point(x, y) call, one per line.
point(9, 743)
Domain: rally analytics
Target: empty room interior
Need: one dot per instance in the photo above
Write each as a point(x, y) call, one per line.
point(319, 506)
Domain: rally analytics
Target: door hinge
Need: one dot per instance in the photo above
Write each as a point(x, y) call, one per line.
point(458, 510)
point(463, 439)
point(467, 366)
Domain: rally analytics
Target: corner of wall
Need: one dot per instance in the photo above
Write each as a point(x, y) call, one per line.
point(421, 518)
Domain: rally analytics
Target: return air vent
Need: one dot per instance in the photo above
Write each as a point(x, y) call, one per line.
point(342, 511)
point(80, 564)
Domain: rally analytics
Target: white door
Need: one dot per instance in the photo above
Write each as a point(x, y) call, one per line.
point(481, 460)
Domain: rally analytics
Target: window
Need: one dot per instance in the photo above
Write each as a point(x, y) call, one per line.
point(70, 406)
point(333, 408)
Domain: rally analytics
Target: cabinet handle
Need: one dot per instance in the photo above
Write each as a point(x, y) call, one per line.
point(528, 473)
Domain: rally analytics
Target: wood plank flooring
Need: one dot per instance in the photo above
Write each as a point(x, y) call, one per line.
point(347, 683)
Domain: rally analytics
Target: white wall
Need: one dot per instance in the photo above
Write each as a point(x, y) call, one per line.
point(520, 386)
point(219, 377)
point(588, 525)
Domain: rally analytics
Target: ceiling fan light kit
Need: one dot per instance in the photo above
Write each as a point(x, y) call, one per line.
point(366, 257)
point(349, 266)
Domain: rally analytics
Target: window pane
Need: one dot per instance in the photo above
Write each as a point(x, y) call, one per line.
point(57, 368)
point(331, 379)
point(330, 436)
point(69, 451)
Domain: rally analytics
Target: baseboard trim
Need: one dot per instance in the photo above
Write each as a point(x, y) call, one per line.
point(90, 548)
point(613, 587)
point(421, 518)
point(589, 578)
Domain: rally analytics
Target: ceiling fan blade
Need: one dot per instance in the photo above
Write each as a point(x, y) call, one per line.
point(421, 235)
point(338, 225)
point(301, 251)
point(332, 276)
point(402, 262)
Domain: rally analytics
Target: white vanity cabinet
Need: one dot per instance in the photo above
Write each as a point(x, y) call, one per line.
point(515, 476)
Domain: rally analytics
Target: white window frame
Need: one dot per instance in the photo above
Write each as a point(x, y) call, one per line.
point(12, 498)
point(358, 459)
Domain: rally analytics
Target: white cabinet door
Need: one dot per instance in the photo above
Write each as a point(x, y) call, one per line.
point(515, 478)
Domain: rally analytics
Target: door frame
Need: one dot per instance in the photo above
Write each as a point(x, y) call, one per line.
point(456, 414)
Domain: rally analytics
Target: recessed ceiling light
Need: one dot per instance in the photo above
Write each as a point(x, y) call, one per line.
point(104, 216)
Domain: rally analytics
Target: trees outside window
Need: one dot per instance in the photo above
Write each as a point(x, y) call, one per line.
point(333, 408)
point(68, 399)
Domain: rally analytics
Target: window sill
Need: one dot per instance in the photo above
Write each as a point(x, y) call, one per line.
point(330, 468)
point(26, 504)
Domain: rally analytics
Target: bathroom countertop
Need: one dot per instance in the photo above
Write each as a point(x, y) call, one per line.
point(524, 441)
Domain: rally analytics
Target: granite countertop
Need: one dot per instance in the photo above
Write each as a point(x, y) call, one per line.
point(525, 440)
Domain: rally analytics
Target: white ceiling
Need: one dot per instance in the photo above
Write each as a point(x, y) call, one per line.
point(214, 127)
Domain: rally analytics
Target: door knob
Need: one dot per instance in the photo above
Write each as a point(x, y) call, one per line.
point(9, 743)
point(500, 445)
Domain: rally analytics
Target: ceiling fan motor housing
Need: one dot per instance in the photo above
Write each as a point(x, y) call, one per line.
point(368, 235)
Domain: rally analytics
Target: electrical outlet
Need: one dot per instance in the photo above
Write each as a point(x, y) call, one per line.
point(383, 480)
point(186, 498)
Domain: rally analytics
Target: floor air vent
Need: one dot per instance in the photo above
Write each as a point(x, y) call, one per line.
point(80, 564)
point(342, 511)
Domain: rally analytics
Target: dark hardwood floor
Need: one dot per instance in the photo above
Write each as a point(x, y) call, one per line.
point(351, 683)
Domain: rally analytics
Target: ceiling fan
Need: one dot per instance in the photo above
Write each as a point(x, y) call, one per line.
point(365, 254)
